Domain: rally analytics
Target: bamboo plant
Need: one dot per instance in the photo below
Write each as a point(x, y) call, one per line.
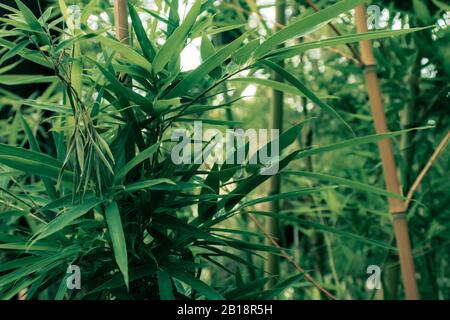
point(102, 191)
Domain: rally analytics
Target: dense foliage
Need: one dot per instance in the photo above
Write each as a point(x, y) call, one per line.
point(87, 178)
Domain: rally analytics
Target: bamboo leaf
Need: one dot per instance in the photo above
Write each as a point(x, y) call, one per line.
point(176, 41)
point(183, 228)
point(308, 93)
point(165, 285)
point(33, 22)
point(116, 233)
point(280, 287)
point(346, 182)
point(248, 288)
point(196, 284)
point(126, 93)
point(206, 67)
point(353, 142)
point(144, 155)
point(148, 184)
point(306, 25)
point(289, 52)
point(66, 218)
point(127, 53)
point(32, 162)
point(22, 79)
point(49, 186)
point(28, 54)
point(146, 45)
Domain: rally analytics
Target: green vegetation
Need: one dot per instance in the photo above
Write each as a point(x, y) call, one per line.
point(87, 177)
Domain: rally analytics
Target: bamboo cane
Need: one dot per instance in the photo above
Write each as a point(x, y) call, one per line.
point(121, 20)
point(121, 25)
point(272, 224)
point(396, 206)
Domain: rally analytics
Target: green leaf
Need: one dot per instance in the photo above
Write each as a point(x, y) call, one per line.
point(212, 186)
point(144, 155)
point(441, 5)
point(183, 229)
point(117, 280)
point(421, 10)
point(87, 11)
point(62, 288)
point(67, 201)
point(283, 195)
point(244, 53)
point(21, 79)
point(353, 142)
point(289, 52)
point(165, 285)
point(196, 284)
point(176, 41)
point(28, 54)
point(61, 109)
point(248, 288)
point(33, 162)
point(116, 233)
point(127, 53)
point(280, 287)
point(346, 182)
point(49, 186)
point(206, 48)
point(206, 67)
point(147, 184)
point(16, 50)
point(308, 93)
point(44, 265)
point(245, 187)
point(24, 246)
point(66, 218)
point(126, 93)
point(146, 45)
point(224, 29)
point(33, 22)
point(306, 25)
point(280, 86)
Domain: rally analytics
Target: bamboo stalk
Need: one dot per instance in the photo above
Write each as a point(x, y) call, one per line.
point(122, 32)
point(272, 224)
point(121, 20)
point(396, 206)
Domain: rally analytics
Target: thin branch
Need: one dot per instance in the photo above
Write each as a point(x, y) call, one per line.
point(425, 169)
point(336, 30)
point(290, 259)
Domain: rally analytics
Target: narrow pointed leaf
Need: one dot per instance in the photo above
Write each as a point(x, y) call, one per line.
point(116, 233)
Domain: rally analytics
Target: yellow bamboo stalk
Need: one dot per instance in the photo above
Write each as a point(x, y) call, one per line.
point(121, 25)
point(121, 20)
point(396, 206)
